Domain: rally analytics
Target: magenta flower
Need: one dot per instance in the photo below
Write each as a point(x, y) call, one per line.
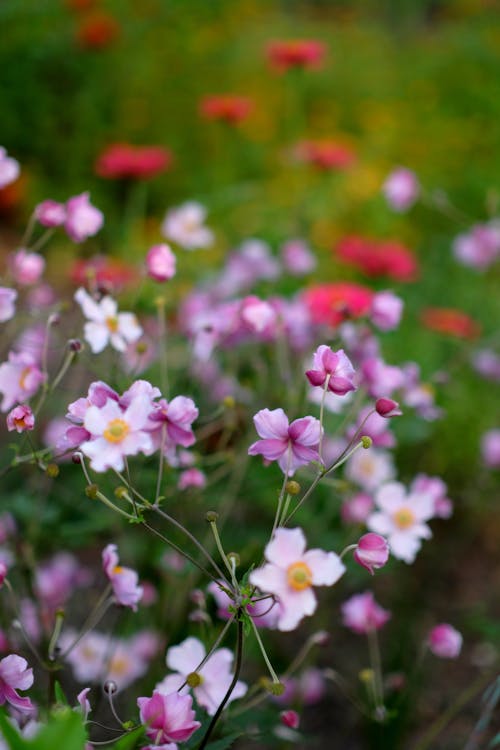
point(361, 613)
point(290, 718)
point(168, 718)
point(15, 675)
point(20, 379)
point(82, 218)
point(372, 552)
point(176, 416)
point(123, 580)
point(386, 310)
point(387, 408)
point(334, 366)
point(444, 641)
point(7, 303)
point(291, 445)
point(160, 263)
point(26, 268)
point(291, 573)
point(50, 213)
point(192, 477)
point(401, 189)
point(21, 419)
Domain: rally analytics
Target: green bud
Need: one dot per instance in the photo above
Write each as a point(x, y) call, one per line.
point(211, 516)
point(52, 470)
point(366, 441)
point(121, 492)
point(234, 556)
point(91, 491)
point(292, 487)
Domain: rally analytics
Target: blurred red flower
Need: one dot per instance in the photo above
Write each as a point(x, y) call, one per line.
point(226, 107)
point(325, 154)
point(379, 257)
point(451, 322)
point(107, 274)
point(336, 302)
point(97, 30)
point(296, 53)
point(122, 160)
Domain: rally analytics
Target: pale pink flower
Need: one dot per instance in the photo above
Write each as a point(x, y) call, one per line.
point(216, 675)
point(50, 213)
point(257, 314)
point(191, 478)
point(372, 552)
point(334, 366)
point(486, 362)
point(123, 580)
point(7, 303)
point(168, 719)
point(444, 641)
point(490, 449)
point(401, 518)
point(26, 267)
point(420, 396)
point(116, 433)
point(291, 573)
point(15, 675)
point(105, 324)
point(381, 379)
point(434, 486)
point(297, 258)
point(9, 168)
point(480, 247)
point(21, 419)
point(291, 445)
point(160, 263)
point(20, 378)
point(83, 220)
point(386, 310)
point(361, 613)
point(401, 189)
point(57, 579)
point(184, 225)
point(357, 508)
point(370, 468)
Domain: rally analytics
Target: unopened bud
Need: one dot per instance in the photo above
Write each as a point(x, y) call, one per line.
point(276, 688)
point(91, 491)
point(211, 516)
point(52, 470)
point(290, 719)
point(292, 487)
point(3, 572)
point(121, 492)
point(366, 441)
point(194, 679)
point(387, 408)
point(110, 687)
point(75, 345)
point(321, 638)
point(54, 319)
point(372, 552)
point(76, 458)
point(234, 556)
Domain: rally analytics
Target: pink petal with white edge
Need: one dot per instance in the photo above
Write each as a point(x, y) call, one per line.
point(326, 567)
point(185, 657)
point(307, 431)
point(137, 413)
point(271, 424)
point(95, 421)
point(286, 547)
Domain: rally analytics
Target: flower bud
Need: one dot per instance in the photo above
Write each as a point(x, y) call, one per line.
point(366, 442)
point(290, 719)
point(444, 641)
point(110, 687)
point(372, 552)
point(91, 491)
point(387, 408)
point(234, 556)
point(52, 470)
point(75, 345)
point(292, 487)
point(211, 516)
point(229, 402)
point(160, 263)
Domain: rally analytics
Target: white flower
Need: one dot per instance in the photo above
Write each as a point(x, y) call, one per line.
point(370, 468)
point(105, 324)
point(184, 226)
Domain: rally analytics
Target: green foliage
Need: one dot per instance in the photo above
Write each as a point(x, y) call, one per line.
point(64, 729)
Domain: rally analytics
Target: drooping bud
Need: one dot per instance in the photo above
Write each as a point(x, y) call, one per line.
point(444, 641)
point(110, 687)
point(290, 719)
point(372, 552)
point(387, 408)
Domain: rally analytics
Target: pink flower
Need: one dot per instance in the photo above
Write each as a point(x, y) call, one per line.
point(3, 573)
point(357, 509)
point(257, 314)
point(123, 580)
point(9, 168)
point(361, 613)
point(21, 419)
point(370, 468)
point(401, 518)
point(116, 433)
point(297, 258)
point(57, 579)
point(7, 303)
point(434, 486)
point(490, 449)
point(291, 572)
point(26, 267)
point(401, 189)
point(184, 225)
point(215, 674)
point(20, 379)
point(84, 703)
point(480, 247)
point(160, 263)
point(335, 367)
point(372, 552)
point(381, 379)
point(105, 324)
point(296, 53)
point(291, 445)
point(486, 362)
point(168, 718)
point(386, 312)
point(444, 641)
point(15, 675)
point(176, 417)
point(191, 478)
point(83, 220)
point(290, 719)
point(50, 213)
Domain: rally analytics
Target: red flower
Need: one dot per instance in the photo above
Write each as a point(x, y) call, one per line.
point(121, 160)
point(325, 154)
point(333, 303)
point(296, 53)
point(227, 107)
point(109, 274)
point(97, 30)
point(379, 257)
point(451, 322)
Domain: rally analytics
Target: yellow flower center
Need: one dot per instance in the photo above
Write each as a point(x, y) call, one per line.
point(116, 431)
point(117, 570)
point(404, 518)
point(119, 665)
point(299, 576)
point(112, 324)
point(24, 375)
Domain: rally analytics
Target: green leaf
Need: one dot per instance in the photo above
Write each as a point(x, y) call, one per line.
point(64, 730)
point(224, 743)
point(60, 695)
point(129, 741)
point(10, 734)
